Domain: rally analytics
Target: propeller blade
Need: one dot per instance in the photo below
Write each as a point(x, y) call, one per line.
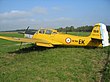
point(27, 29)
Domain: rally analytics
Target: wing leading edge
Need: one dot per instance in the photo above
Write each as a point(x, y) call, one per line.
point(39, 42)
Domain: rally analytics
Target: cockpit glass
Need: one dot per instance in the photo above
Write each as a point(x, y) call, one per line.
point(48, 32)
point(42, 31)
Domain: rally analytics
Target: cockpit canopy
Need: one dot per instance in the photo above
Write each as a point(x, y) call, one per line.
point(47, 31)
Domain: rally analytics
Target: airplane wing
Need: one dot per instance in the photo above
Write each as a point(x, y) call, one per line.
point(39, 42)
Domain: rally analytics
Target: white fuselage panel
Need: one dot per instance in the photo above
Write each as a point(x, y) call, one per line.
point(28, 35)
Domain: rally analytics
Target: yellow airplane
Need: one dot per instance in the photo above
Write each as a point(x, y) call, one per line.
point(49, 38)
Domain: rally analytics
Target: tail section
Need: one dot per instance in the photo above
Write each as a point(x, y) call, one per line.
point(100, 32)
point(96, 33)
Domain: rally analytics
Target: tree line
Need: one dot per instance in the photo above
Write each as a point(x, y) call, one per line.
point(67, 29)
point(79, 29)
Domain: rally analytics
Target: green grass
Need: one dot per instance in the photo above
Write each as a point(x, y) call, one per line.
point(12, 34)
point(59, 64)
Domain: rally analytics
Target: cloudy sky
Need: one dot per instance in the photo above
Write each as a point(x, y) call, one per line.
point(18, 14)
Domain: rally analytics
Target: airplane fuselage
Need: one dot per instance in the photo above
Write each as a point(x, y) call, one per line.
point(66, 39)
point(50, 37)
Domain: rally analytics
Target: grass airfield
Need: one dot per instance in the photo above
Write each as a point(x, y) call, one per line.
point(59, 64)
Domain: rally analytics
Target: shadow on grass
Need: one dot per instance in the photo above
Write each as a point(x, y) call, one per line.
point(39, 48)
point(28, 49)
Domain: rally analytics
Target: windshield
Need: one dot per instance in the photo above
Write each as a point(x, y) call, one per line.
point(42, 31)
point(48, 32)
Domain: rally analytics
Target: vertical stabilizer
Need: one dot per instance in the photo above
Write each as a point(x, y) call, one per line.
point(96, 34)
point(100, 32)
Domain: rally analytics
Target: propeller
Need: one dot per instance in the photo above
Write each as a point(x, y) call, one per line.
point(24, 31)
point(23, 34)
point(27, 29)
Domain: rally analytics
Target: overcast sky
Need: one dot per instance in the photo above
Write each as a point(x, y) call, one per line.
point(18, 14)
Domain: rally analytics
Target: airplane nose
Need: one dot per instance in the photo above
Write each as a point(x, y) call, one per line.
point(28, 36)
